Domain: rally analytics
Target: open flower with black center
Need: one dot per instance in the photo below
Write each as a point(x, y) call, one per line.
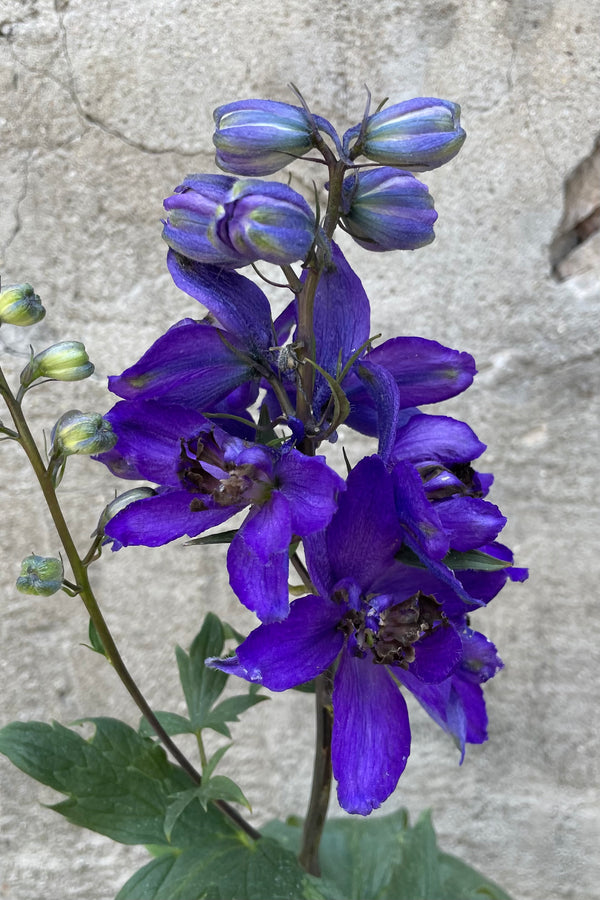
point(205, 476)
point(361, 622)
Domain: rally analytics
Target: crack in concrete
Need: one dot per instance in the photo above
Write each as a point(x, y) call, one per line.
point(18, 223)
point(95, 121)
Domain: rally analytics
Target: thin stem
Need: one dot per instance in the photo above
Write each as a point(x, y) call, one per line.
point(85, 591)
point(321, 785)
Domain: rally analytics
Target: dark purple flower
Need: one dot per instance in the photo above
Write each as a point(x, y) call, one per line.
point(380, 383)
point(205, 477)
point(357, 618)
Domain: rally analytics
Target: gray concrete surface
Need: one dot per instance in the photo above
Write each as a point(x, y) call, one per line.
point(104, 108)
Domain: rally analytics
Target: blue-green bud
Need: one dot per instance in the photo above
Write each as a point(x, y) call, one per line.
point(263, 220)
point(41, 575)
point(387, 209)
point(84, 433)
point(20, 305)
point(65, 361)
point(418, 135)
point(259, 137)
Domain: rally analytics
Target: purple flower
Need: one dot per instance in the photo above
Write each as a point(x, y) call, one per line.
point(387, 209)
point(205, 477)
point(380, 383)
point(362, 621)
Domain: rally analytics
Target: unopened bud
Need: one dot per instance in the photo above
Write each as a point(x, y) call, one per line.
point(84, 433)
point(264, 220)
point(418, 134)
point(65, 361)
point(20, 305)
point(41, 575)
point(387, 209)
point(191, 209)
point(259, 137)
point(119, 503)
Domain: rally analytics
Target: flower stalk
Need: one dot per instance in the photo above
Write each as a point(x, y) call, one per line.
point(85, 591)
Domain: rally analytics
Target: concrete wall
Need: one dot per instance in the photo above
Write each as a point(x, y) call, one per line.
point(105, 106)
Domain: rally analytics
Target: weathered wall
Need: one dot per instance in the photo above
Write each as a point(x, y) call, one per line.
point(105, 106)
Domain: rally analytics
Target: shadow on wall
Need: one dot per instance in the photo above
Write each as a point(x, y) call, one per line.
point(576, 245)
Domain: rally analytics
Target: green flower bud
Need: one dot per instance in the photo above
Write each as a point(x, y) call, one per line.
point(85, 433)
point(19, 305)
point(66, 361)
point(41, 575)
point(119, 503)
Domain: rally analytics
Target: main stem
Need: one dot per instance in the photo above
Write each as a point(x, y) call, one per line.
point(322, 773)
point(91, 604)
point(321, 785)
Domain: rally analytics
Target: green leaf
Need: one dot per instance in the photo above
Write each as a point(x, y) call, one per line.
point(117, 783)
point(171, 722)
point(214, 761)
point(222, 537)
point(460, 880)
point(471, 559)
point(228, 869)
point(202, 686)
point(384, 858)
point(229, 711)
point(222, 788)
point(95, 639)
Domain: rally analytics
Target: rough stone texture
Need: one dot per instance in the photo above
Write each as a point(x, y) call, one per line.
point(105, 107)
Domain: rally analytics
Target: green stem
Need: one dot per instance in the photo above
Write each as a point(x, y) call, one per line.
point(85, 591)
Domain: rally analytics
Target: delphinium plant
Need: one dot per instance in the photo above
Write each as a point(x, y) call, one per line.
point(233, 413)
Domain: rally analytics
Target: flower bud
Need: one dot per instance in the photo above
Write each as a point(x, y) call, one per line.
point(65, 361)
point(119, 503)
point(19, 305)
point(418, 134)
point(264, 220)
point(387, 209)
point(259, 137)
point(85, 433)
point(41, 575)
point(191, 209)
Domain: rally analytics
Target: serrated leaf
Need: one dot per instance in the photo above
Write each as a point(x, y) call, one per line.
point(117, 783)
point(222, 788)
point(202, 686)
point(229, 711)
point(222, 870)
point(171, 722)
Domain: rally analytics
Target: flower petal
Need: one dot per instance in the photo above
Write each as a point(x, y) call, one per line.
point(282, 655)
point(427, 438)
point(235, 301)
point(190, 365)
point(371, 734)
point(260, 584)
point(311, 488)
point(469, 522)
point(157, 520)
point(437, 654)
